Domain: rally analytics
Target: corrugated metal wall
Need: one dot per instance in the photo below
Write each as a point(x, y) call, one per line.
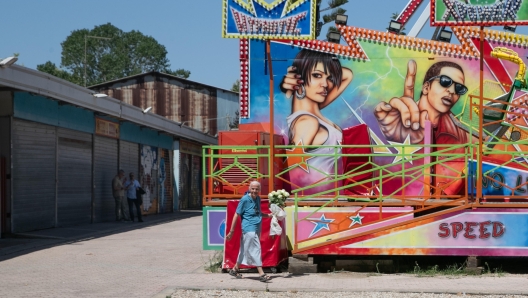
point(190, 182)
point(74, 185)
point(185, 181)
point(193, 104)
point(34, 172)
point(105, 169)
point(129, 158)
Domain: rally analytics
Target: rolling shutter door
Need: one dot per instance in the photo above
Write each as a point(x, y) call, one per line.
point(74, 191)
point(34, 171)
point(129, 158)
point(105, 169)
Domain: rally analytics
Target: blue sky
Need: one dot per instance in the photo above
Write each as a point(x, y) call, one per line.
point(190, 30)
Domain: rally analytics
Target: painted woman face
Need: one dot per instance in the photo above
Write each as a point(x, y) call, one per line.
point(319, 84)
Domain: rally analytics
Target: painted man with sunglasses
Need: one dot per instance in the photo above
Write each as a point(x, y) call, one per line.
point(404, 117)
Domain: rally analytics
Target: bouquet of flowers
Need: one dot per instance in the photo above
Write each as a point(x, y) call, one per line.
point(278, 197)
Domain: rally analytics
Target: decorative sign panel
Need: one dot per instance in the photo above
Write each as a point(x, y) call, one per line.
point(269, 19)
point(214, 226)
point(106, 128)
point(479, 13)
point(478, 232)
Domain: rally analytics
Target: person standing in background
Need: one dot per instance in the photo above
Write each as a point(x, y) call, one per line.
point(131, 186)
point(119, 196)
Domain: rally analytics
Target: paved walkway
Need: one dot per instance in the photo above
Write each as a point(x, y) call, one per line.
point(154, 258)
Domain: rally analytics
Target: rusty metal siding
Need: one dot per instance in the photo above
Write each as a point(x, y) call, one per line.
point(196, 105)
point(227, 105)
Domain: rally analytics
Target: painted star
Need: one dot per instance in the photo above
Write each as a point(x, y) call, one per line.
point(320, 224)
point(356, 220)
point(406, 151)
point(298, 160)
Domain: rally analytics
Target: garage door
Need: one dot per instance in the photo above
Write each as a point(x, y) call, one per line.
point(74, 191)
point(105, 168)
point(34, 168)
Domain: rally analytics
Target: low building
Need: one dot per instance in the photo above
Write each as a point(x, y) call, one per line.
point(205, 108)
point(60, 147)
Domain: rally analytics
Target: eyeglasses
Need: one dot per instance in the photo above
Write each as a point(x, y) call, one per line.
point(446, 82)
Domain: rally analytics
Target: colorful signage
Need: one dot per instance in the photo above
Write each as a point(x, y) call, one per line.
point(190, 148)
point(106, 128)
point(479, 13)
point(480, 232)
point(269, 19)
point(214, 226)
point(319, 225)
point(499, 180)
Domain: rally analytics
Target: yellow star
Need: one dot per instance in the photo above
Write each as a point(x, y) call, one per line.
point(405, 151)
point(298, 160)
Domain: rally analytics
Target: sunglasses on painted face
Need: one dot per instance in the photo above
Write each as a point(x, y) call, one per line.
point(446, 82)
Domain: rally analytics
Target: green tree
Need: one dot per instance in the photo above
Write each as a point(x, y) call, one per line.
point(110, 54)
point(395, 16)
point(236, 86)
point(234, 124)
point(333, 5)
point(52, 69)
point(182, 73)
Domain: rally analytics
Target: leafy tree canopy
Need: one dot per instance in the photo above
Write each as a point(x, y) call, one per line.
point(236, 86)
point(110, 54)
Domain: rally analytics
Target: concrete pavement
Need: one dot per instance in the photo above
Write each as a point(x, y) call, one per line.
point(154, 258)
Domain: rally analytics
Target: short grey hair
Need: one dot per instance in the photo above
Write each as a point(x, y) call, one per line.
point(121, 172)
point(254, 182)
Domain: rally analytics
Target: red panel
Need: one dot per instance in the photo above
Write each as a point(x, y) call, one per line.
point(495, 65)
point(356, 135)
point(274, 250)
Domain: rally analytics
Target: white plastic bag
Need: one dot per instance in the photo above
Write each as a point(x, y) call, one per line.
point(278, 214)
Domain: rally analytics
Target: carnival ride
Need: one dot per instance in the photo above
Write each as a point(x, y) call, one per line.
point(472, 196)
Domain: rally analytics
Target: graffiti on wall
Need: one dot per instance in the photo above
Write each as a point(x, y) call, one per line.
point(165, 182)
point(148, 176)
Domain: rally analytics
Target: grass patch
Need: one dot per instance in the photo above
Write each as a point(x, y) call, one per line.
point(497, 271)
point(449, 270)
point(214, 264)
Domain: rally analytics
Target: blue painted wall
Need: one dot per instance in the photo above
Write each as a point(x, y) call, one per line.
point(48, 111)
point(134, 133)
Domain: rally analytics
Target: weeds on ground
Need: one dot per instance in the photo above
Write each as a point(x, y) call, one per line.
point(450, 270)
point(338, 271)
point(498, 272)
point(377, 273)
point(214, 263)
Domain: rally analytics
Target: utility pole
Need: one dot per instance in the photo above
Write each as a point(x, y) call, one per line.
point(85, 45)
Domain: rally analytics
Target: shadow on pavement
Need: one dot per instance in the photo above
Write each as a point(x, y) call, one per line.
point(18, 244)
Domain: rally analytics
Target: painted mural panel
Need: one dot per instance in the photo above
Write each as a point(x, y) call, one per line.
point(214, 226)
point(148, 173)
point(387, 100)
point(479, 232)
